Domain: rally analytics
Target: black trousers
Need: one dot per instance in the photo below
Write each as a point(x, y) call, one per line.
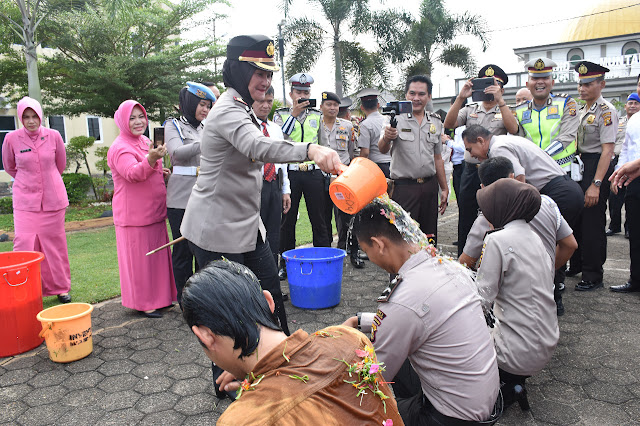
point(632, 201)
point(457, 176)
point(616, 201)
point(328, 213)
point(181, 256)
point(271, 213)
point(570, 200)
point(311, 185)
point(421, 200)
point(260, 262)
point(386, 169)
point(467, 203)
point(590, 227)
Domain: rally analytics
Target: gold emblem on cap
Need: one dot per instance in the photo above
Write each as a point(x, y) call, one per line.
point(324, 95)
point(200, 94)
point(270, 49)
point(582, 69)
point(539, 65)
point(489, 72)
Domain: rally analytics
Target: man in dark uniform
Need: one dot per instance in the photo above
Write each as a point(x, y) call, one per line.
point(493, 115)
point(302, 124)
point(596, 139)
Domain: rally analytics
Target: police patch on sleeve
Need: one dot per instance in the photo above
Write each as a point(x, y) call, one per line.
point(607, 118)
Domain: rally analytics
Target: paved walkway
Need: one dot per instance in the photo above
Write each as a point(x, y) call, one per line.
point(152, 371)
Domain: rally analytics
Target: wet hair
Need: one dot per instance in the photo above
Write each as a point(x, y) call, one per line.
point(370, 222)
point(494, 168)
point(270, 91)
point(472, 133)
point(419, 79)
point(370, 104)
point(226, 297)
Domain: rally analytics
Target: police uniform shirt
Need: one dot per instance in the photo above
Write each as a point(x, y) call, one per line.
point(548, 223)
point(339, 138)
point(476, 114)
point(528, 159)
point(370, 129)
point(412, 152)
point(183, 145)
point(569, 121)
point(598, 125)
point(526, 329)
point(622, 130)
point(439, 325)
point(307, 114)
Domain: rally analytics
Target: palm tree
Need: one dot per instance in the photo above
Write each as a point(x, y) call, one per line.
point(351, 60)
point(429, 39)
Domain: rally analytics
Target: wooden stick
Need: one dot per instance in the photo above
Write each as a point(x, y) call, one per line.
point(169, 244)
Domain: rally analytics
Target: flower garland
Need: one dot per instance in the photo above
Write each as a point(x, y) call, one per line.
point(366, 371)
point(247, 385)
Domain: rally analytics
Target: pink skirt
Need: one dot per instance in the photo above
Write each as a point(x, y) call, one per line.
point(44, 232)
point(146, 282)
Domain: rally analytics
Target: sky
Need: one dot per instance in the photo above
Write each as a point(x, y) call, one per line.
point(511, 24)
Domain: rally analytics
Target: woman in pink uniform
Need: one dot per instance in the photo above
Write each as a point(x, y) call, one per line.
point(139, 214)
point(35, 157)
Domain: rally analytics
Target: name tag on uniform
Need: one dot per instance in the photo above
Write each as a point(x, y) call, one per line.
point(26, 150)
point(432, 129)
point(473, 115)
point(591, 119)
point(406, 130)
point(497, 117)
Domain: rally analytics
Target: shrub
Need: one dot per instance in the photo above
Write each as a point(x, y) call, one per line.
point(77, 185)
point(6, 205)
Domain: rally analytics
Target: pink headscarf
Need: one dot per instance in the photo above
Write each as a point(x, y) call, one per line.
point(121, 118)
point(26, 103)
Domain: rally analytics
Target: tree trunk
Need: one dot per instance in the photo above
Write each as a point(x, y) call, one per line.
point(31, 58)
point(338, 58)
point(86, 163)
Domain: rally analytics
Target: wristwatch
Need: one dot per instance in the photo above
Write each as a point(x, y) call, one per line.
point(597, 182)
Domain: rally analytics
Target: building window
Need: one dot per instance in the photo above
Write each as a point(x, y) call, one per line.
point(94, 128)
point(631, 48)
point(575, 55)
point(7, 124)
point(56, 122)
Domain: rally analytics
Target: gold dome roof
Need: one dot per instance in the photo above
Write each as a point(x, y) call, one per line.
point(608, 24)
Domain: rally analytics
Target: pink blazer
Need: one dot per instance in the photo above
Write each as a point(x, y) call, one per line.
point(140, 196)
point(37, 169)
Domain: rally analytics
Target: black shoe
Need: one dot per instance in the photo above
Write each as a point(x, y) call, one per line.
point(357, 262)
point(64, 298)
point(362, 255)
point(282, 274)
point(559, 307)
point(625, 288)
point(611, 232)
point(285, 296)
point(573, 272)
point(521, 397)
point(455, 243)
point(626, 234)
point(588, 285)
point(152, 314)
point(560, 287)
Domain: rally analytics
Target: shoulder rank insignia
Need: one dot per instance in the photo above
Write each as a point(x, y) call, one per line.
point(591, 118)
point(240, 100)
point(386, 294)
point(432, 129)
point(604, 107)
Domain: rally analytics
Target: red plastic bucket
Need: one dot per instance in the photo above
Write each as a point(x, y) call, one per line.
point(20, 301)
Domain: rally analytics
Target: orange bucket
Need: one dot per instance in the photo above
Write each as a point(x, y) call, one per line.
point(357, 185)
point(67, 331)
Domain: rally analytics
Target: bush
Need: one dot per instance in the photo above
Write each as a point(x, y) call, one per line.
point(77, 185)
point(6, 205)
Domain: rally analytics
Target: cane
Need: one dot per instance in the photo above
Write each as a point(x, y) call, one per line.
point(169, 244)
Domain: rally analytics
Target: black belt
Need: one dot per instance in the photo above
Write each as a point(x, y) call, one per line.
point(452, 421)
point(417, 181)
point(590, 155)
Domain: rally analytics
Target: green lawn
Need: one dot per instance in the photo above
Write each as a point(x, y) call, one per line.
point(93, 257)
point(73, 214)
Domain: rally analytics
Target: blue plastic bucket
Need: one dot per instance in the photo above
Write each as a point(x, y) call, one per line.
point(315, 276)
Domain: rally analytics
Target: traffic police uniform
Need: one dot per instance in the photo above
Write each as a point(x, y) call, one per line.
point(413, 169)
point(439, 326)
point(305, 178)
point(491, 119)
point(598, 125)
point(370, 129)
point(183, 145)
point(554, 127)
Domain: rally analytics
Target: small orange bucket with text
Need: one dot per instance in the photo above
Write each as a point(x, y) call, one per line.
point(67, 331)
point(358, 184)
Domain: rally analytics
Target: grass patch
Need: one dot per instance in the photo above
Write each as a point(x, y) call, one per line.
point(74, 213)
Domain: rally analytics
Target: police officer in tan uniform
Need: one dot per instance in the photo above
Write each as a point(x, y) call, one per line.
point(370, 129)
point(596, 140)
point(493, 115)
point(417, 167)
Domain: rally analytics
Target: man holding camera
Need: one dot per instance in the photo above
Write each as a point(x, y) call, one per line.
point(417, 167)
point(370, 130)
point(301, 123)
point(492, 113)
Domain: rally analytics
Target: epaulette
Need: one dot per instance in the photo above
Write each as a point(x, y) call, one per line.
point(386, 294)
point(523, 104)
point(604, 106)
point(471, 104)
point(283, 109)
point(314, 110)
point(561, 95)
point(240, 100)
point(434, 115)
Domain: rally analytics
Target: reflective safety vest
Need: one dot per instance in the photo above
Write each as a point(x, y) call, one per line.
point(306, 132)
point(542, 127)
